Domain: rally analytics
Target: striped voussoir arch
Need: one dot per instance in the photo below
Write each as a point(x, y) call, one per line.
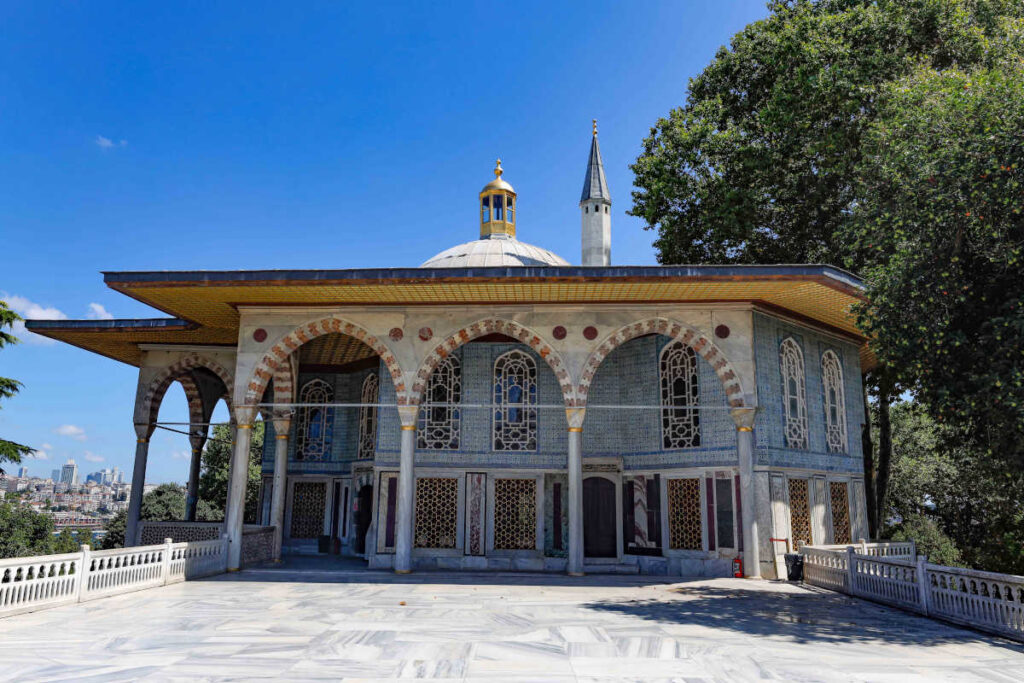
point(678, 331)
point(493, 326)
point(176, 371)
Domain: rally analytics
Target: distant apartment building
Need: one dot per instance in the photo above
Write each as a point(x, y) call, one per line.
point(69, 473)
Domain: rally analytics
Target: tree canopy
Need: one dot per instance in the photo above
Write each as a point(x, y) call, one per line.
point(10, 451)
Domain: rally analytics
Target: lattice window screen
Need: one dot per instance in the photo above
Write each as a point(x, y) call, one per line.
point(440, 416)
point(515, 514)
point(800, 511)
point(840, 511)
point(680, 394)
point(437, 512)
point(309, 499)
point(515, 395)
point(368, 416)
point(684, 520)
point(315, 423)
point(835, 402)
point(794, 393)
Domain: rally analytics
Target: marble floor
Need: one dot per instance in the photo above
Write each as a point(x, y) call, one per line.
point(313, 621)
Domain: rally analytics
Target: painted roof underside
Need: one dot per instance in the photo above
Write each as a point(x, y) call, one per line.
point(205, 303)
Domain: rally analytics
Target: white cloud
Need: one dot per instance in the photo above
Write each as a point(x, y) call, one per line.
point(74, 431)
point(41, 454)
point(46, 447)
point(98, 312)
point(30, 309)
point(92, 457)
point(107, 143)
point(181, 455)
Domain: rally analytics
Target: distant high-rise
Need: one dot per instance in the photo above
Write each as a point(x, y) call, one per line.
point(69, 473)
point(22, 472)
point(55, 475)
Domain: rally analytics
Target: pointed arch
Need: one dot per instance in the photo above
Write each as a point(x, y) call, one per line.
point(493, 326)
point(794, 392)
point(175, 371)
point(369, 394)
point(279, 352)
point(835, 402)
point(677, 331)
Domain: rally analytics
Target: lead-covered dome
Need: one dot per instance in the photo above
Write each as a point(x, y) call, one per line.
point(494, 251)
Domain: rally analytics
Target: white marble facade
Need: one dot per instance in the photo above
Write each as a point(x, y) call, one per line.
point(736, 346)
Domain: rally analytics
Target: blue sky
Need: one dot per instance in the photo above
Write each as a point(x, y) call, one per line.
point(178, 136)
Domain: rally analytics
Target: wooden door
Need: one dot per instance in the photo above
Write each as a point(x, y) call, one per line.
point(599, 527)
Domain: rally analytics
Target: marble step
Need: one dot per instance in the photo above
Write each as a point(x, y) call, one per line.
point(610, 568)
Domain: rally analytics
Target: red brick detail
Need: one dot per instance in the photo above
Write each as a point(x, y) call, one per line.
point(492, 326)
point(272, 363)
point(692, 338)
point(176, 371)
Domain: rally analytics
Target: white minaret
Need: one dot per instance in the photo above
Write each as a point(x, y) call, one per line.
point(595, 210)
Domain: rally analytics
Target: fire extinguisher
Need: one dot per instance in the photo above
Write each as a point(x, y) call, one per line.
point(737, 567)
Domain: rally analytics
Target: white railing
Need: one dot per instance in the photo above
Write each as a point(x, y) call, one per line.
point(33, 583)
point(906, 550)
point(983, 600)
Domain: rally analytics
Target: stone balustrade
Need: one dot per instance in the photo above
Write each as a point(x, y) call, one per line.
point(983, 600)
point(28, 584)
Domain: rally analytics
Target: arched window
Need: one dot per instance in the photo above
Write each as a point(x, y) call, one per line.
point(515, 398)
point(440, 415)
point(680, 395)
point(794, 394)
point(835, 402)
point(368, 416)
point(316, 422)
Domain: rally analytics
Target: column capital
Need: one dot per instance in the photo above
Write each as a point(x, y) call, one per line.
point(244, 415)
point(282, 425)
point(407, 414)
point(574, 416)
point(744, 418)
point(144, 430)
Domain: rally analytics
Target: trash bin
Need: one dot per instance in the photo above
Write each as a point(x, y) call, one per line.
point(794, 566)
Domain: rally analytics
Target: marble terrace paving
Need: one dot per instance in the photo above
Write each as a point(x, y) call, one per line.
point(312, 620)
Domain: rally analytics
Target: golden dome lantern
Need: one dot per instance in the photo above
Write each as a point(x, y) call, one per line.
point(497, 207)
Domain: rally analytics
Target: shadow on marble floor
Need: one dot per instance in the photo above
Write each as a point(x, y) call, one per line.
point(809, 616)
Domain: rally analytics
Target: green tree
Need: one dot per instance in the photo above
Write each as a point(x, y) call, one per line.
point(24, 532)
point(213, 482)
point(10, 451)
point(165, 503)
point(942, 234)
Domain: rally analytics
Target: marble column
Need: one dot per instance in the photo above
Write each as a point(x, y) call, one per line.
point(235, 516)
point(406, 490)
point(744, 419)
point(280, 485)
point(575, 470)
point(197, 440)
point(131, 531)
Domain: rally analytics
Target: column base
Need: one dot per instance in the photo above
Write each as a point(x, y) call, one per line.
point(576, 573)
point(403, 571)
point(236, 569)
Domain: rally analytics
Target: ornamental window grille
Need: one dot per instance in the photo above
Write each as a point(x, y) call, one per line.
point(440, 417)
point(515, 398)
point(437, 512)
point(680, 395)
point(835, 402)
point(315, 422)
point(515, 514)
point(800, 511)
point(309, 499)
point(794, 393)
point(840, 511)
point(368, 416)
point(684, 521)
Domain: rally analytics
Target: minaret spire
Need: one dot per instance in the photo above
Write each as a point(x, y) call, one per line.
point(595, 209)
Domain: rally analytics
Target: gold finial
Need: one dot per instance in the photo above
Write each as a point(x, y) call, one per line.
point(595, 127)
point(498, 170)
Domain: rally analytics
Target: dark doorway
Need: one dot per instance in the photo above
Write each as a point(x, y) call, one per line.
point(363, 517)
point(599, 533)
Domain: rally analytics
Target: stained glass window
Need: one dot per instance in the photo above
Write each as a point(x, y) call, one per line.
point(680, 394)
point(515, 398)
point(440, 416)
point(315, 422)
point(368, 416)
point(835, 402)
point(794, 393)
